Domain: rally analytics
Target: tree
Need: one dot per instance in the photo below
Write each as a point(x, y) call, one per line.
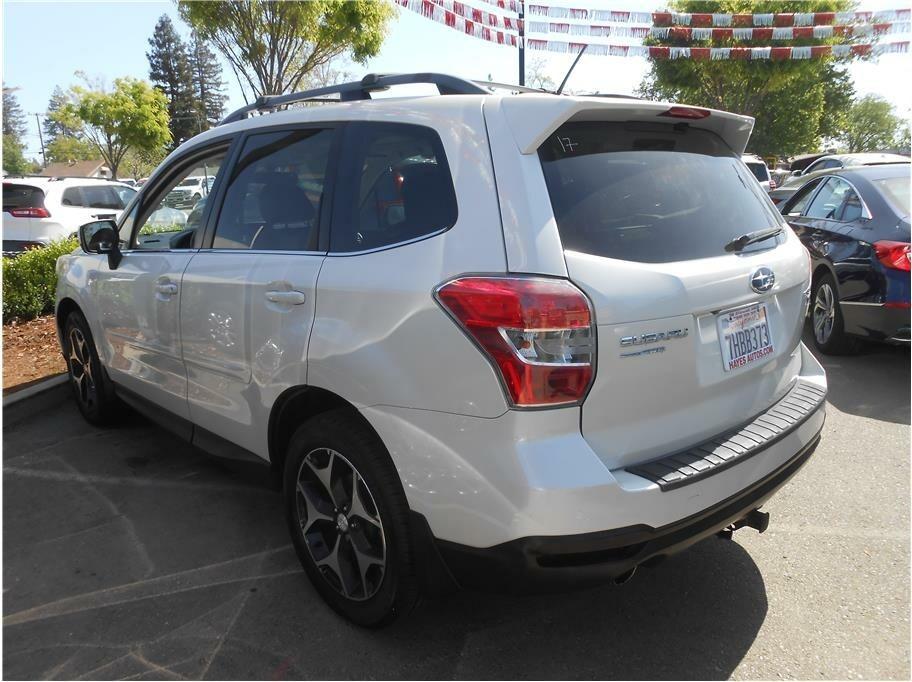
point(14, 130)
point(13, 117)
point(139, 163)
point(796, 103)
point(272, 46)
point(537, 76)
point(52, 126)
point(133, 115)
point(65, 148)
point(171, 73)
point(870, 125)
point(208, 86)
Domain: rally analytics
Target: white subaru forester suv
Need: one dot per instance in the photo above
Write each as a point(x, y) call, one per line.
point(520, 341)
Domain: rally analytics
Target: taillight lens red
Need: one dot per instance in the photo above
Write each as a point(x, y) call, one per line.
point(894, 255)
point(31, 212)
point(538, 333)
point(686, 112)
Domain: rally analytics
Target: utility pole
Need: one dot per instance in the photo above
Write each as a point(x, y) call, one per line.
point(44, 160)
point(522, 42)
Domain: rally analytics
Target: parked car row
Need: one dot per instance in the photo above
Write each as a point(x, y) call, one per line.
point(855, 223)
point(38, 210)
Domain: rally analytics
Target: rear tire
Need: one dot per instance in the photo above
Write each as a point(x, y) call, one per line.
point(91, 386)
point(827, 321)
point(348, 519)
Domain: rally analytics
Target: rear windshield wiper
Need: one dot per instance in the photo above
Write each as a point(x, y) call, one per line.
point(738, 243)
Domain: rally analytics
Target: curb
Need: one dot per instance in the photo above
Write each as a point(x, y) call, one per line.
point(37, 397)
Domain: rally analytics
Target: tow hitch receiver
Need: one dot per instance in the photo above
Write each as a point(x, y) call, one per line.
point(755, 519)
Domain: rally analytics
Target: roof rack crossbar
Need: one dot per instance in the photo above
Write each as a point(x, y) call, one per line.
point(359, 90)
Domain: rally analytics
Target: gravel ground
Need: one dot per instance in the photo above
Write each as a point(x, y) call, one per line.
point(128, 554)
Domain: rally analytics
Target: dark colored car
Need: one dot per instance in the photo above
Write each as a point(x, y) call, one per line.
point(855, 223)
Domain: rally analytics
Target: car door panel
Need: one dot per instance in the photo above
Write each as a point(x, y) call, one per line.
point(242, 344)
point(248, 297)
point(140, 325)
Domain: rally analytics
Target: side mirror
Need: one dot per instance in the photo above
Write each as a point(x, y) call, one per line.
point(797, 173)
point(101, 237)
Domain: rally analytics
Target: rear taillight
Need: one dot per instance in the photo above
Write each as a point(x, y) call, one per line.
point(538, 333)
point(894, 255)
point(686, 112)
point(30, 212)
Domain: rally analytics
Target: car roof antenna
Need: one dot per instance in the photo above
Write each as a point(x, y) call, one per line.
point(572, 66)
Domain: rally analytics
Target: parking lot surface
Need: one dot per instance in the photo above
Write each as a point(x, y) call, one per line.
point(129, 554)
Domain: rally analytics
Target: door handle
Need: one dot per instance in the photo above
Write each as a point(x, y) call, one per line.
point(166, 289)
point(286, 297)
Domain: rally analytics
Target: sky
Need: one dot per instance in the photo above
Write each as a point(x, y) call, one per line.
point(45, 43)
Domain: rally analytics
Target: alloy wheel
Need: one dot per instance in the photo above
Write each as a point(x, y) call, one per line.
point(80, 362)
point(341, 524)
point(824, 313)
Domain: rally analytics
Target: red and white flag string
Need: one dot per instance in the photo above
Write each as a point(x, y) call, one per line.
point(452, 14)
point(716, 53)
point(715, 33)
point(449, 17)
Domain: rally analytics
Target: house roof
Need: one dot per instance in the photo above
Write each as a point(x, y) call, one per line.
point(73, 169)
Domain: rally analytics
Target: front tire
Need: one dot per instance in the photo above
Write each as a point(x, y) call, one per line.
point(348, 519)
point(91, 387)
point(827, 321)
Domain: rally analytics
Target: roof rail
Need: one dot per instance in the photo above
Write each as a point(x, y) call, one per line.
point(360, 90)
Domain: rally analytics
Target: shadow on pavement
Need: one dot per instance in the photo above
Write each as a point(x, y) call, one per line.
point(128, 554)
point(873, 383)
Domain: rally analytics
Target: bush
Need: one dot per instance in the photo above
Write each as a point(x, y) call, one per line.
point(30, 280)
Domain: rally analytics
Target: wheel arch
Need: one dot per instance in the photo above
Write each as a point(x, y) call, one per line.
point(295, 406)
point(65, 306)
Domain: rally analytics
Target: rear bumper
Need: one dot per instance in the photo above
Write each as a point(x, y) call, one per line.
point(537, 564)
point(877, 322)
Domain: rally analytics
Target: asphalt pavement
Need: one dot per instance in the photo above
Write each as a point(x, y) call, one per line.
point(129, 554)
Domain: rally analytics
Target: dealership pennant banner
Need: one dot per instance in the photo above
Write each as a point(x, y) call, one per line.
point(446, 12)
point(715, 53)
point(716, 33)
point(442, 15)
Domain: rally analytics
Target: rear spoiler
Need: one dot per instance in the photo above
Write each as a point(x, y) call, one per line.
point(532, 118)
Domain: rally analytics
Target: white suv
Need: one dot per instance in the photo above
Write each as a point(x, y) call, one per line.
point(38, 210)
point(517, 341)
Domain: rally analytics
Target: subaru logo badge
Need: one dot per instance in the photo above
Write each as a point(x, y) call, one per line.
point(762, 280)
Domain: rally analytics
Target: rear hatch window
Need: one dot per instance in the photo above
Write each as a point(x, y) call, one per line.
point(651, 193)
point(759, 170)
point(21, 196)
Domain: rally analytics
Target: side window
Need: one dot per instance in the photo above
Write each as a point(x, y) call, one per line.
point(71, 197)
point(398, 187)
point(829, 199)
point(97, 196)
point(275, 192)
point(175, 212)
point(851, 207)
point(800, 201)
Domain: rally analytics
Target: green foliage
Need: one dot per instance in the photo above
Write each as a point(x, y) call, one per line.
point(133, 115)
point(870, 125)
point(170, 72)
point(13, 116)
point(14, 130)
point(796, 103)
point(272, 46)
point(64, 148)
point(30, 281)
point(208, 86)
point(14, 161)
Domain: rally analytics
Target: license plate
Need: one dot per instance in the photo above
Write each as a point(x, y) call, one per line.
point(745, 336)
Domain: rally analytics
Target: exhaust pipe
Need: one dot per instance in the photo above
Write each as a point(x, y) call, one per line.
point(624, 577)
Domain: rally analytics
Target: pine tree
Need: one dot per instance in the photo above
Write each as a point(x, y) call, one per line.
point(13, 116)
point(208, 87)
point(53, 126)
point(170, 72)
